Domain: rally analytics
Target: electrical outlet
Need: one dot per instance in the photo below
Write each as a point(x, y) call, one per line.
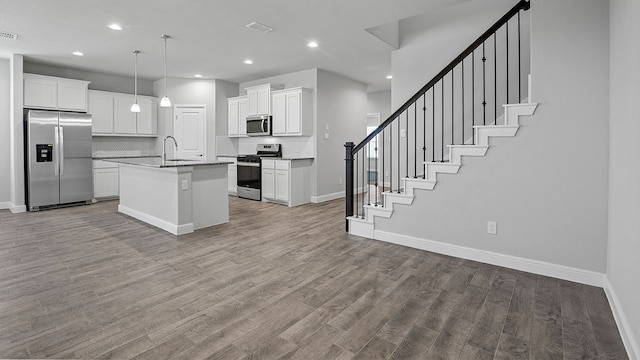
point(403, 133)
point(339, 180)
point(326, 136)
point(492, 227)
point(185, 185)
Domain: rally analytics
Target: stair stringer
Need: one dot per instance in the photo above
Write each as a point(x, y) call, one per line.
point(365, 226)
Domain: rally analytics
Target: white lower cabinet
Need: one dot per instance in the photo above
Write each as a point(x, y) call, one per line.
point(286, 181)
point(232, 177)
point(105, 179)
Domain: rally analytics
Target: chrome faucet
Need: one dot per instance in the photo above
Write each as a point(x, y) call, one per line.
point(164, 146)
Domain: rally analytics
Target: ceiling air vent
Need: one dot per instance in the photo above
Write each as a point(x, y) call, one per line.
point(260, 27)
point(8, 35)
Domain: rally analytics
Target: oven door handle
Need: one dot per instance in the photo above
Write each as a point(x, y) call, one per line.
point(249, 164)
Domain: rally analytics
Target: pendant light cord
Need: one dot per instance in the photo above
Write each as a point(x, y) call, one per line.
point(135, 74)
point(165, 64)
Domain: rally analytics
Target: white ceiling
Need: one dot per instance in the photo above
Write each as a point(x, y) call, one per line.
point(209, 37)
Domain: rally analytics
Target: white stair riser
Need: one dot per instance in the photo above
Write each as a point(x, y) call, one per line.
point(482, 133)
point(514, 111)
point(411, 184)
point(432, 169)
point(360, 228)
point(458, 151)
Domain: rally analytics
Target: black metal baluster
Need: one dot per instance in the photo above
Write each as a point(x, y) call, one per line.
point(484, 86)
point(452, 96)
point(399, 150)
point(406, 141)
point(463, 139)
point(433, 123)
point(473, 95)
point(495, 81)
point(368, 172)
point(415, 139)
point(356, 187)
point(383, 176)
point(391, 158)
point(506, 28)
point(364, 160)
point(519, 64)
point(424, 126)
point(375, 168)
point(442, 121)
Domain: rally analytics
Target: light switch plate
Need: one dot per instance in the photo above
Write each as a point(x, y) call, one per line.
point(326, 136)
point(492, 227)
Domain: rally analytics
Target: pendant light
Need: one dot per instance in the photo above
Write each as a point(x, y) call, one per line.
point(135, 108)
point(165, 102)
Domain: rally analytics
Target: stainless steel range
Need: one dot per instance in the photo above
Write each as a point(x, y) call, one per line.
point(249, 170)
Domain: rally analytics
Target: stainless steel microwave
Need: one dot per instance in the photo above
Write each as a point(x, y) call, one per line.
point(259, 125)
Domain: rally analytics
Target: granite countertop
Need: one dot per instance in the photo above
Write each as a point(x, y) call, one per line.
point(294, 158)
point(105, 157)
point(157, 162)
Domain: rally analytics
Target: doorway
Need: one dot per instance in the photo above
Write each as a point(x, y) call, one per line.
point(189, 129)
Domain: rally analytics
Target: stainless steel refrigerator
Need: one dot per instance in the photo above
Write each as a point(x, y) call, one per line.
point(58, 164)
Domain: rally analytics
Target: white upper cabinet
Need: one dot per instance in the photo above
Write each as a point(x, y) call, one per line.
point(146, 123)
point(111, 114)
point(101, 110)
point(237, 109)
point(47, 92)
point(292, 112)
point(259, 98)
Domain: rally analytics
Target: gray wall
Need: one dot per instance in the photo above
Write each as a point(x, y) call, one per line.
point(342, 105)
point(547, 187)
point(104, 82)
point(432, 40)
point(5, 134)
point(187, 92)
point(379, 102)
point(623, 266)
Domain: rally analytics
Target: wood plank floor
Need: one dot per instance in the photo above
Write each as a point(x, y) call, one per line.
point(88, 282)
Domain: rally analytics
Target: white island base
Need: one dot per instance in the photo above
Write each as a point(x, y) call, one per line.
point(177, 199)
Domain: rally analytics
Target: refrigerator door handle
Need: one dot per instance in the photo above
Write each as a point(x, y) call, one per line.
point(61, 151)
point(56, 156)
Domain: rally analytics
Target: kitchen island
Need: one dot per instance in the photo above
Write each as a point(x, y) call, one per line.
point(178, 196)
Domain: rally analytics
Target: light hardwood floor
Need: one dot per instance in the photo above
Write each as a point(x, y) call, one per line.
point(88, 282)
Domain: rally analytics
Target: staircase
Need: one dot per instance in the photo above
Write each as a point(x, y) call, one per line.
point(365, 225)
point(453, 116)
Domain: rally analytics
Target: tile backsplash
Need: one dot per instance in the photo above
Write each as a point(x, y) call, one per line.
point(123, 146)
point(294, 146)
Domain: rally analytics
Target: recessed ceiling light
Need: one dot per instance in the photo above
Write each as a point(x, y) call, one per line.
point(248, 61)
point(115, 27)
point(197, 75)
point(312, 44)
point(77, 53)
point(389, 77)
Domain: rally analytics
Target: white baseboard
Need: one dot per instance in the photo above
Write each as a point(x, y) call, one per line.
point(157, 222)
point(630, 343)
point(17, 208)
point(533, 266)
point(328, 197)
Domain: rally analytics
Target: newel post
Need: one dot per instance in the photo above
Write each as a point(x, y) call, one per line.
point(348, 181)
